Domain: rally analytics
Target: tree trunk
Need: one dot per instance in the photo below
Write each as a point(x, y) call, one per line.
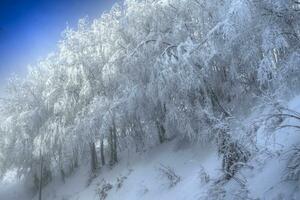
point(41, 176)
point(162, 110)
point(63, 175)
point(94, 161)
point(113, 146)
point(60, 160)
point(75, 157)
point(216, 103)
point(161, 132)
point(102, 152)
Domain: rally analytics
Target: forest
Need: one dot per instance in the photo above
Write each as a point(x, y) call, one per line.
point(149, 72)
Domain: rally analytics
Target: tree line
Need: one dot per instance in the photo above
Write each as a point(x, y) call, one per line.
point(143, 73)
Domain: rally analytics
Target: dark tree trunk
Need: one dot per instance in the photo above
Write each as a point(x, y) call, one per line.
point(139, 133)
point(63, 175)
point(62, 172)
point(113, 146)
point(41, 176)
point(75, 155)
point(161, 132)
point(94, 161)
point(162, 110)
point(216, 103)
point(102, 152)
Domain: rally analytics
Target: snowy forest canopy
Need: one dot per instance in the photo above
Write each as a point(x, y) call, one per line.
point(146, 72)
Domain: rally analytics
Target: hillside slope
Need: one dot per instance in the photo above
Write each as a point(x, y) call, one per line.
point(198, 168)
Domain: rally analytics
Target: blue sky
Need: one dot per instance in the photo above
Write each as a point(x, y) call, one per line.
point(30, 29)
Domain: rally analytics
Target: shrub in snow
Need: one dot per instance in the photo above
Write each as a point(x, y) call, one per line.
point(92, 176)
point(241, 194)
point(169, 173)
point(203, 175)
point(219, 191)
point(288, 114)
point(293, 166)
point(216, 191)
point(103, 188)
point(234, 154)
point(120, 181)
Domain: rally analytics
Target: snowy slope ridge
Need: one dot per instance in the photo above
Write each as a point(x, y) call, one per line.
point(199, 169)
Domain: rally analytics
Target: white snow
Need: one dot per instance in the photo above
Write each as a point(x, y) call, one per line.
point(262, 178)
point(12, 188)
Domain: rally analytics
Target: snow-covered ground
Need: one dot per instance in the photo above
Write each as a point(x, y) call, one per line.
point(199, 169)
point(12, 188)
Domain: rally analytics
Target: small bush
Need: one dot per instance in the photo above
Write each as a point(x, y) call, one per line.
point(91, 178)
point(103, 189)
point(204, 177)
point(170, 175)
point(234, 154)
point(293, 166)
point(120, 181)
point(216, 191)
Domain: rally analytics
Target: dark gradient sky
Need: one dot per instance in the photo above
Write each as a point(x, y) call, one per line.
point(30, 29)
